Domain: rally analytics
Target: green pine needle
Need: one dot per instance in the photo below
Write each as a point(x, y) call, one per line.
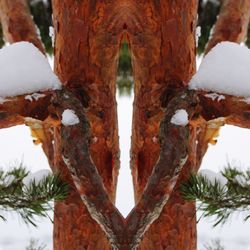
point(221, 201)
point(31, 200)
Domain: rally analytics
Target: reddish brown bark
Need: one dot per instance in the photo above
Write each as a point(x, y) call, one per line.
point(234, 110)
point(161, 36)
point(232, 23)
point(86, 53)
point(76, 228)
point(163, 55)
point(176, 143)
point(126, 234)
point(85, 176)
point(177, 148)
point(18, 24)
point(26, 106)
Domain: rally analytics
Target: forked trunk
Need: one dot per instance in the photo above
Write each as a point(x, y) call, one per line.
point(161, 35)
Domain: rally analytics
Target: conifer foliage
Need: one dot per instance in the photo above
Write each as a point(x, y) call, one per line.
point(29, 199)
point(217, 199)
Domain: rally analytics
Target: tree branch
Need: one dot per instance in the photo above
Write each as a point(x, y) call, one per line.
point(235, 110)
point(13, 110)
point(232, 23)
point(175, 150)
point(75, 141)
point(18, 24)
point(174, 155)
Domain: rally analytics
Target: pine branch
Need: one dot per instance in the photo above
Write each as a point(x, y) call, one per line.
point(217, 199)
point(214, 245)
point(32, 199)
point(34, 244)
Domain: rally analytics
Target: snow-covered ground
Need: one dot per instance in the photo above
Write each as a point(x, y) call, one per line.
point(232, 146)
point(16, 145)
point(125, 194)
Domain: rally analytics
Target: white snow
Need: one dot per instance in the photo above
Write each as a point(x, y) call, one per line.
point(36, 177)
point(197, 34)
point(52, 34)
point(24, 70)
point(180, 117)
point(34, 96)
point(69, 117)
point(9, 179)
point(241, 180)
point(215, 96)
point(213, 177)
point(225, 69)
point(2, 100)
point(246, 100)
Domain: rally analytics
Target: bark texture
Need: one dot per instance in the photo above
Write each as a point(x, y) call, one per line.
point(125, 234)
point(177, 153)
point(232, 23)
point(84, 173)
point(176, 143)
point(86, 57)
point(18, 24)
point(161, 38)
point(13, 110)
point(163, 56)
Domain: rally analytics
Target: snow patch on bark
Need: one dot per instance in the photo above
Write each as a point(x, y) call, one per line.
point(180, 117)
point(34, 96)
point(69, 118)
point(215, 96)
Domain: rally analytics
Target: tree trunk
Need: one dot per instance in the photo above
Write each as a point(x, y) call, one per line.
point(18, 24)
point(86, 54)
point(232, 23)
point(161, 37)
point(163, 57)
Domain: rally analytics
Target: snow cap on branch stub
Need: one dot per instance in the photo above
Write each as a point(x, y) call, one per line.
point(24, 70)
point(69, 117)
point(225, 69)
point(180, 118)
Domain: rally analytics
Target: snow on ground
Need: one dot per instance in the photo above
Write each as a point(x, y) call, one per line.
point(180, 117)
point(16, 143)
point(125, 194)
point(69, 118)
point(36, 176)
point(213, 177)
point(24, 69)
point(16, 146)
point(232, 147)
point(225, 69)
